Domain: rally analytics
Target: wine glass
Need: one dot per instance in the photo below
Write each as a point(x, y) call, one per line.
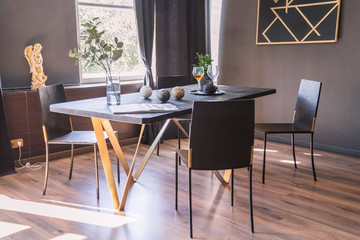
point(198, 73)
point(213, 71)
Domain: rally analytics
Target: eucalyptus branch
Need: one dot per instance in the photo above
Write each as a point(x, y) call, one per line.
point(96, 50)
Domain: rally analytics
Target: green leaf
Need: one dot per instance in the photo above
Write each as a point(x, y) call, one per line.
point(95, 18)
point(88, 41)
point(102, 43)
point(116, 40)
point(107, 48)
point(76, 61)
point(71, 54)
point(103, 56)
point(92, 49)
point(120, 44)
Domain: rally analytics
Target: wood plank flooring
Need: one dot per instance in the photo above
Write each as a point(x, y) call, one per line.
point(289, 206)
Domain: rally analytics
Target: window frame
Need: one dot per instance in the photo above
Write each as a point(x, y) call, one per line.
point(99, 79)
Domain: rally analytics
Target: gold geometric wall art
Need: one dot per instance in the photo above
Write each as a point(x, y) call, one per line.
point(297, 21)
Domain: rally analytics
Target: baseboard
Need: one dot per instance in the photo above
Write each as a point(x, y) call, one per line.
point(301, 143)
point(77, 151)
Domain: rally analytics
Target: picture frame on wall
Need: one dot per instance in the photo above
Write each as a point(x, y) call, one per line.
point(297, 21)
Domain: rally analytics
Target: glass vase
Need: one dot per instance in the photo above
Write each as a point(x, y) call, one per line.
point(113, 89)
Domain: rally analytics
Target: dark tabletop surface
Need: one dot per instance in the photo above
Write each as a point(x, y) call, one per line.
point(97, 107)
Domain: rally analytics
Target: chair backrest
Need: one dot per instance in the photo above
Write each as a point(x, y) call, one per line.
point(171, 81)
point(307, 104)
point(56, 124)
point(222, 135)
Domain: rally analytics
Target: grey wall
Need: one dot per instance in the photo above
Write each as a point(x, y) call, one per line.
point(51, 23)
point(337, 65)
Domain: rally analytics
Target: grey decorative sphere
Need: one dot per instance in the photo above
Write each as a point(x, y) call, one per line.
point(209, 88)
point(145, 91)
point(163, 95)
point(178, 93)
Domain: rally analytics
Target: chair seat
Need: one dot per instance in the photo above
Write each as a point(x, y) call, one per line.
point(78, 137)
point(279, 128)
point(184, 155)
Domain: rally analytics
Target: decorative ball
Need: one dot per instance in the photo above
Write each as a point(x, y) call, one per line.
point(209, 87)
point(163, 95)
point(145, 91)
point(178, 93)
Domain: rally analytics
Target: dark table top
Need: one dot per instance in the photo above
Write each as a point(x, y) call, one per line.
point(97, 107)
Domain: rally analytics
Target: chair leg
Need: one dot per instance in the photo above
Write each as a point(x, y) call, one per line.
point(293, 148)
point(47, 168)
point(179, 144)
point(158, 148)
point(72, 161)
point(178, 135)
point(250, 199)
point(232, 187)
point(96, 172)
point(176, 180)
point(312, 154)
point(118, 162)
point(190, 206)
point(263, 175)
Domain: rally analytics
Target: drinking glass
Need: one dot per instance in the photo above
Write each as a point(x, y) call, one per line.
point(198, 73)
point(213, 71)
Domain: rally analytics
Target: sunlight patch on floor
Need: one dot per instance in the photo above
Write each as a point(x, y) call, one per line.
point(69, 236)
point(64, 213)
point(315, 154)
point(267, 150)
point(290, 161)
point(11, 228)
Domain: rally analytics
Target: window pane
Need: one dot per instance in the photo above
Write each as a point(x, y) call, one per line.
point(115, 2)
point(215, 28)
point(118, 23)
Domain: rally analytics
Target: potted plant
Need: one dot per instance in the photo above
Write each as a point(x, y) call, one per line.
point(97, 50)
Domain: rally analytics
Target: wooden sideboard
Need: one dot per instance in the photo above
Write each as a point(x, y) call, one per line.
point(24, 118)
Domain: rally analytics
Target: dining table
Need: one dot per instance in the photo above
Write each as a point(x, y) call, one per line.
point(100, 114)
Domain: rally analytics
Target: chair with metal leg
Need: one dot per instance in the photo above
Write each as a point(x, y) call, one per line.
point(168, 82)
point(303, 120)
point(57, 129)
point(221, 137)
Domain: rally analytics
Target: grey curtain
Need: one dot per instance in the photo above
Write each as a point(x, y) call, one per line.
point(144, 14)
point(182, 29)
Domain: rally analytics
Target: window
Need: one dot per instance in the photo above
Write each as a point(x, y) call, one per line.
point(118, 20)
point(215, 12)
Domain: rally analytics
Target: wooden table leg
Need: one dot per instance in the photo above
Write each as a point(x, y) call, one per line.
point(150, 151)
point(115, 144)
point(129, 178)
point(104, 153)
point(180, 127)
point(223, 179)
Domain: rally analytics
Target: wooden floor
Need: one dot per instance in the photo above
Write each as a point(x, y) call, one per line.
point(289, 206)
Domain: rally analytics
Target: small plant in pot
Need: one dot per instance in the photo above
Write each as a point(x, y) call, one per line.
point(97, 50)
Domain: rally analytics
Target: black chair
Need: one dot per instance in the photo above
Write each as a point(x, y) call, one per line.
point(221, 137)
point(168, 82)
point(57, 129)
point(303, 120)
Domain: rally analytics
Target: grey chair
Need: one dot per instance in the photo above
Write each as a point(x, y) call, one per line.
point(57, 129)
point(168, 82)
point(303, 120)
point(221, 137)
